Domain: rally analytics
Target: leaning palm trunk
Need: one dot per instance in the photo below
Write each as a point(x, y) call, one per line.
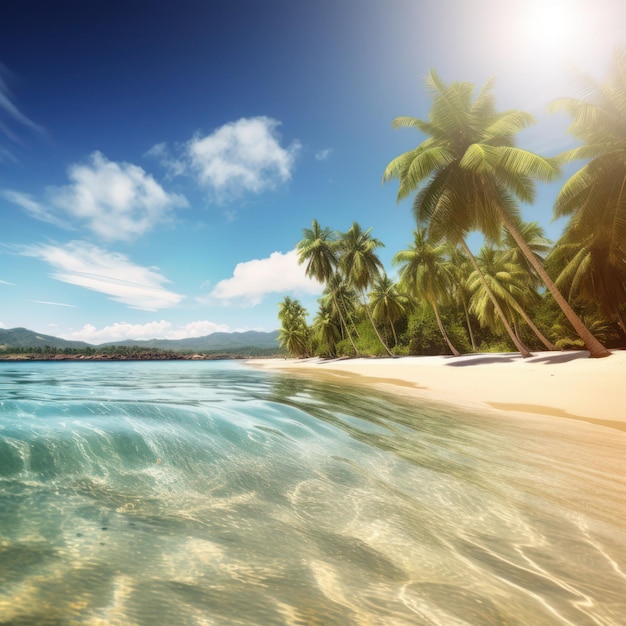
point(620, 319)
point(393, 332)
point(345, 325)
point(371, 319)
point(442, 330)
point(544, 340)
point(596, 349)
point(523, 350)
point(469, 325)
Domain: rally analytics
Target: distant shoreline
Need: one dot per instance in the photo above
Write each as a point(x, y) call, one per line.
point(23, 358)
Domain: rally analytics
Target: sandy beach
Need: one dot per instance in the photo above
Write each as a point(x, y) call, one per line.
point(557, 384)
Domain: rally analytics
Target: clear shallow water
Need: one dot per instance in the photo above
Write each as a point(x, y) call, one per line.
point(209, 493)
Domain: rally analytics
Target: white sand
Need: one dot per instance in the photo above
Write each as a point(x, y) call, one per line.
point(559, 384)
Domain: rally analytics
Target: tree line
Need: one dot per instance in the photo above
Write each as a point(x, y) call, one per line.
point(520, 292)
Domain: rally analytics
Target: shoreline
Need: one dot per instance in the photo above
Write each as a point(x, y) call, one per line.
point(549, 384)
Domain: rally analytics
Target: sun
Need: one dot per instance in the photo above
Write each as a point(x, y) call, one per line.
point(553, 27)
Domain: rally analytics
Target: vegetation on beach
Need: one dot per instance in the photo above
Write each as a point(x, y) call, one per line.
point(519, 292)
point(119, 353)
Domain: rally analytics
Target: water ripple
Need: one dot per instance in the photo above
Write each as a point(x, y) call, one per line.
point(208, 493)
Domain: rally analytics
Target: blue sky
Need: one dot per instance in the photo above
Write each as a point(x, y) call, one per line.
point(159, 160)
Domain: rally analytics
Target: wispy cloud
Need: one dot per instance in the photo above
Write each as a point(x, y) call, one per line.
point(71, 306)
point(120, 331)
point(83, 264)
point(173, 165)
point(10, 116)
point(253, 280)
point(6, 282)
point(322, 155)
point(34, 208)
point(244, 156)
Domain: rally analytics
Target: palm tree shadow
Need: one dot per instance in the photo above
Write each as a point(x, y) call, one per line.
point(564, 357)
point(472, 359)
point(561, 357)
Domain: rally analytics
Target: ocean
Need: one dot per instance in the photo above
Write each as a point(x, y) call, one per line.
point(204, 493)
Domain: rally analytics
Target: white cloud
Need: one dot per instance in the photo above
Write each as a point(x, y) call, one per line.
point(116, 201)
point(6, 282)
point(322, 155)
point(252, 280)
point(83, 264)
point(121, 331)
point(242, 156)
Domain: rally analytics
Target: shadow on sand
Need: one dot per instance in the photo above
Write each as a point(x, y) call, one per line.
point(503, 357)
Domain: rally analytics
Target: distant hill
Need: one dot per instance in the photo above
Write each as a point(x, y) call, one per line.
point(216, 342)
point(251, 342)
point(24, 338)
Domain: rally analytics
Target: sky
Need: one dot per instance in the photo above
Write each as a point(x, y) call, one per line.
point(159, 160)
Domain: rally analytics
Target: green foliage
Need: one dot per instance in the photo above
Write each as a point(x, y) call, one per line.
point(368, 342)
point(422, 336)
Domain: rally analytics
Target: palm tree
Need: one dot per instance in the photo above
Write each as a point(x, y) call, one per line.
point(294, 333)
point(425, 274)
point(533, 235)
point(595, 196)
point(318, 249)
point(387, 304)
point(344, 300)
point(584, 275)
point(327, 325)
point(470, 175)
point(360, 265)
point(509, 284)
point(460, 267)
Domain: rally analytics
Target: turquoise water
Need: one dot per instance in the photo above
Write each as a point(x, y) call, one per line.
point(202, 493)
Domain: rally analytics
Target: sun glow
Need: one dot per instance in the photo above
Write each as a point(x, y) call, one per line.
point(554, 27)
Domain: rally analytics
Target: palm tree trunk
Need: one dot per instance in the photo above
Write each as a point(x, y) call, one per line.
point(469, 325)
point(343, 322)
point(356, 330)
point(523, 350)
point(442, 330)
point(620, 319)
point(395, 337)
point(369, 315)
point(544, 340)
point(596, 349)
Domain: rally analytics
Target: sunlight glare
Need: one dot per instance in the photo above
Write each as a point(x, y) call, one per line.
point(553, 27)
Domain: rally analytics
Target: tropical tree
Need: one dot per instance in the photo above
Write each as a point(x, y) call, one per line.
point(318, 249)
point(361, 266)
point(388, 305)
point(294, 334)
point(508, 282)
point(425, 274)
point(461, 268)
point(595, 196)
point(328, 327)
point(469, 175)
point(534, 236)
point(345, 300)
point(583, 274)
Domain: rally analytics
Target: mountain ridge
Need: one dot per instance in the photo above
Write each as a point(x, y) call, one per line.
point(20, 337)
